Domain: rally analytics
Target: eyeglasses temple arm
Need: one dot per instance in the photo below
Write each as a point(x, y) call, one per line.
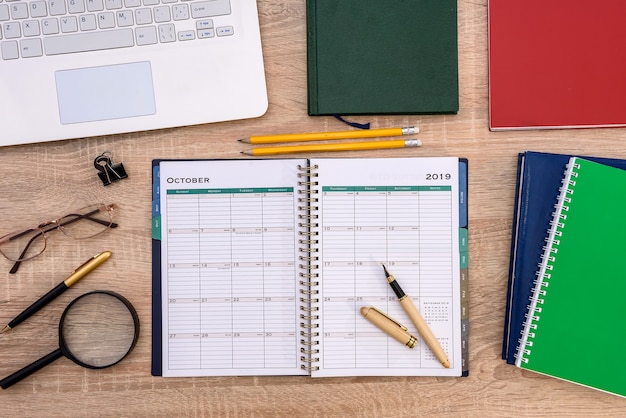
point(17, 264)
point(15, 267)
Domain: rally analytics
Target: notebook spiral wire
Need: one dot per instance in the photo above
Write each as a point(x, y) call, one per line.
point(308, 241)
point(550, 251)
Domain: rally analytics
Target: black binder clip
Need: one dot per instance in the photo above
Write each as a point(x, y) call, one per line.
point(108, 172)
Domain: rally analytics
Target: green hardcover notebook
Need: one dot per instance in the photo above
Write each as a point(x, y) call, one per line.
point(576, 327)
point(372, 57)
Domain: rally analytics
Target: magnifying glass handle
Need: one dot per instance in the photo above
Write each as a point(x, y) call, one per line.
point(30, 369)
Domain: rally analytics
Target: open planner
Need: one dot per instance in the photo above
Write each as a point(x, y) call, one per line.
point(260, 267)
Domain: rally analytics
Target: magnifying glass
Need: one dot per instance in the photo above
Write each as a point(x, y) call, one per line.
point(97, 330)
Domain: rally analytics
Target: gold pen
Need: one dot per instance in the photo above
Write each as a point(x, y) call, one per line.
point(411, 310)
point(75, 276)
point(390, 326)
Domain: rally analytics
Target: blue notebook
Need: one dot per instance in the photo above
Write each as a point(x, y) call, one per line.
point(538, 180)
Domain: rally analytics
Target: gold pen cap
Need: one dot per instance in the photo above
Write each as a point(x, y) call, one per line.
point(87, 267)
point(389, 325)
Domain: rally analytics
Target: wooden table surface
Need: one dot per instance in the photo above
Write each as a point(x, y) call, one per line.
point(41, 181)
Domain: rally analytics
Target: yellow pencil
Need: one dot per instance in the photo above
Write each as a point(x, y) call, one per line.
point(344, 146)
point(323, 136)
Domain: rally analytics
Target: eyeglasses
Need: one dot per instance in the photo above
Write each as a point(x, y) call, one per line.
point(84, 223)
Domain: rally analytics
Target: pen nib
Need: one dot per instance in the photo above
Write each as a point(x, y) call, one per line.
point(387, 274)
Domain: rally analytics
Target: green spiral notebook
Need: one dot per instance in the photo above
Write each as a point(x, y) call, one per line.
point(576, 321)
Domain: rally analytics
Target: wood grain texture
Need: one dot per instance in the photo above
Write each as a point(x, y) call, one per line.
point(41, 181)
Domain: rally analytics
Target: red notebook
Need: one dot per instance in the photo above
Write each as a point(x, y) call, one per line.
point(557, 64)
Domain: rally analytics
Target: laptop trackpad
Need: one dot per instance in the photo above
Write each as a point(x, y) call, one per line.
point(107, 92)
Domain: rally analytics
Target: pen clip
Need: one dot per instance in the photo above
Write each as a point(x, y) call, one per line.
point(389, 318)
point(85, 263)
point(91, 260)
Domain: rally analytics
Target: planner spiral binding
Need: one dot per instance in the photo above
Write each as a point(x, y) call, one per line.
point(550, 250)
point(308, 268)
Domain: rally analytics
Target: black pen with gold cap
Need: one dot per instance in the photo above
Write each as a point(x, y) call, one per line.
point(75, 276)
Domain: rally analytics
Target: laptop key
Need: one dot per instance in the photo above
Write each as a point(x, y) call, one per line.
point(11, 30)
point(38, 9)
point(30, 48)
point(19, 11)
point(167, 33)
point(50, 26)
point(69, 24)
point(89, 41)
point(210, 8)
point(146, 35)
point(4, 12)
point(56, 7)
point(9, 50)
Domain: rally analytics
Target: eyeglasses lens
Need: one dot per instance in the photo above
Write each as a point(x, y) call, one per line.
point(87, 222)
point(23, 245)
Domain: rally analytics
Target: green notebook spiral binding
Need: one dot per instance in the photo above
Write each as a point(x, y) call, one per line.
point(576, 321)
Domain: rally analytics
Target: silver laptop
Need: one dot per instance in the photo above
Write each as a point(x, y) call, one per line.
point(78, 68)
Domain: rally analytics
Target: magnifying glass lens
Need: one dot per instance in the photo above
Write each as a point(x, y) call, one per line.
point(97, 330)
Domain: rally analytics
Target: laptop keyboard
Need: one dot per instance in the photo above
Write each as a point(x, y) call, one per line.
point(30, 29)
